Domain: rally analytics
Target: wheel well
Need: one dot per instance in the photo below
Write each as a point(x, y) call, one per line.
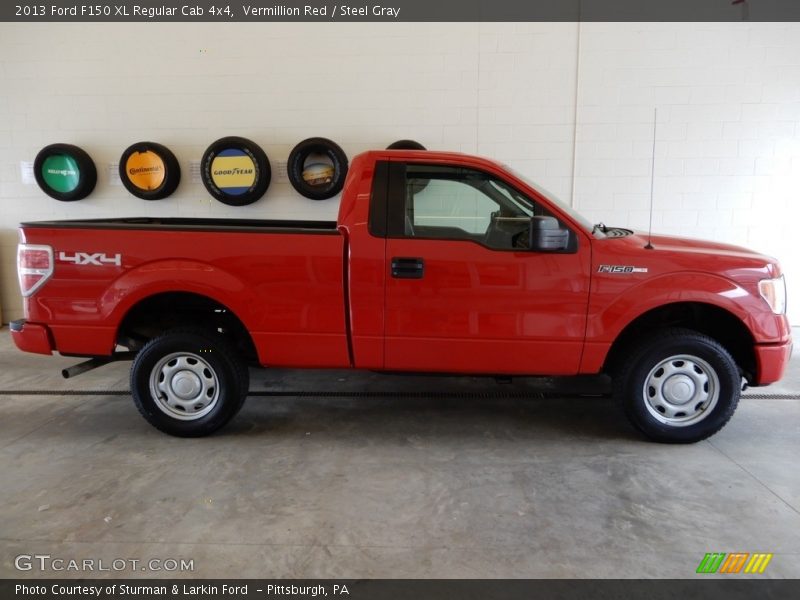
point(154, 315)
point(707, 319)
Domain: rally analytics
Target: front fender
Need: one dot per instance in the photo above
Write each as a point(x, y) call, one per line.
point(613, 314)
point(612, 309)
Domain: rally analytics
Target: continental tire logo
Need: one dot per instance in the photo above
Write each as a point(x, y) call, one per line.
point(734, 562)
point(144, 170)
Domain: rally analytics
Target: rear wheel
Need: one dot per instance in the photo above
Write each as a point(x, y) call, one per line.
point(678, 386)
point(188, 383)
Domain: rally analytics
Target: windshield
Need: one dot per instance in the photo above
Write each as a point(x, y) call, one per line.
point(560, 204)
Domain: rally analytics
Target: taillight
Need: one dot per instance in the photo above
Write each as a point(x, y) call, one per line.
point(34, 267)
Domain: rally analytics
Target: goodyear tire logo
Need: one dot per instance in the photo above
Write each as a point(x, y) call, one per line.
point(720, 562)
point(233, 171)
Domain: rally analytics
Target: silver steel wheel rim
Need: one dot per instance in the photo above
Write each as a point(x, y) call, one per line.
point(184, 386)
point(681, 390)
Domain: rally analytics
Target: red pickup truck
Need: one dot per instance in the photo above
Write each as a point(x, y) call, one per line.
point(438, 262)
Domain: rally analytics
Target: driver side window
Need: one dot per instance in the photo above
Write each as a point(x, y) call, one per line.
point(454, 203)
point(449, 204)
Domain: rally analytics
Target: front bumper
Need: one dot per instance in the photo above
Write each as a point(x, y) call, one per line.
point(772, 360)
point(30, 337)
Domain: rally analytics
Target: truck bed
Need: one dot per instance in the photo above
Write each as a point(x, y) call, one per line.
point(283, 279)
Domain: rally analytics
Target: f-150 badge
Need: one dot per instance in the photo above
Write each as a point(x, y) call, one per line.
point(96, 258)
point(621, 269)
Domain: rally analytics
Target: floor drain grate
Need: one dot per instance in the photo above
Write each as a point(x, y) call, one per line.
point(302, 394)
point(357, 394)
point(65, 393)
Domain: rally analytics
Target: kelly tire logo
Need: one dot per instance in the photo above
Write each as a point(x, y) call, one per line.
point(734, 562)
point(95, 258)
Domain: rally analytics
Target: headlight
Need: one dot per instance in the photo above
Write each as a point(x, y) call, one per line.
point(774, 292)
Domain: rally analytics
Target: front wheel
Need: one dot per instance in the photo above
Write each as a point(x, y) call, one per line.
point(678, 386)
point(188, 383)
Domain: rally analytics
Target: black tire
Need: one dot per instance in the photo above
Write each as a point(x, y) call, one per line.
point(164, 166)
point(405, 145)
point(75, 185)
point(675, 374)
point(206, 372)
point(251, 158)
point(328, 186)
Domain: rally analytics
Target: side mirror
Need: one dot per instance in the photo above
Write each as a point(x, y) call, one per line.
point(547, 235)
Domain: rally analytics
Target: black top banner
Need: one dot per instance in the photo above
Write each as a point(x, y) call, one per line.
point(399, 10)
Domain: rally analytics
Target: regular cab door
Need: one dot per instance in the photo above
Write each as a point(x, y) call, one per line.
point(464, 292)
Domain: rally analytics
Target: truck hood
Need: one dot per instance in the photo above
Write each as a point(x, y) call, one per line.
point(672, 253)
point(681, 244)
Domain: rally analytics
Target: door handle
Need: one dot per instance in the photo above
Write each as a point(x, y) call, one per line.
point(408, 268)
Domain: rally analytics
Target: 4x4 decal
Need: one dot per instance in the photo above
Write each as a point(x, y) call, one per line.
point(96, 258)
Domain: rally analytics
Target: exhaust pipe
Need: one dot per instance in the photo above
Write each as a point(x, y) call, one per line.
point(87, 365)
point(93, 363)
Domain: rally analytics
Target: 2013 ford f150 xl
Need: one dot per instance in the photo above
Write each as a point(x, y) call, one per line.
point(438, 262)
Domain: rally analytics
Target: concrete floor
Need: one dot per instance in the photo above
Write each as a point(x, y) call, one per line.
point(388, 486)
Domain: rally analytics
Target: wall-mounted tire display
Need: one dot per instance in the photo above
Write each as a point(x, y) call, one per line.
point(317, 168)
point(64, 172)
point(420, 184)
point(405, 145)
point(235, 171)
point(149, 171)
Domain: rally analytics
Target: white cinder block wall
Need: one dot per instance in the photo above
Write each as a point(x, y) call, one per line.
point(568, 104)
point(727, 138)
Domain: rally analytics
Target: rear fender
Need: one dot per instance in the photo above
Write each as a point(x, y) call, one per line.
point(158, 277)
